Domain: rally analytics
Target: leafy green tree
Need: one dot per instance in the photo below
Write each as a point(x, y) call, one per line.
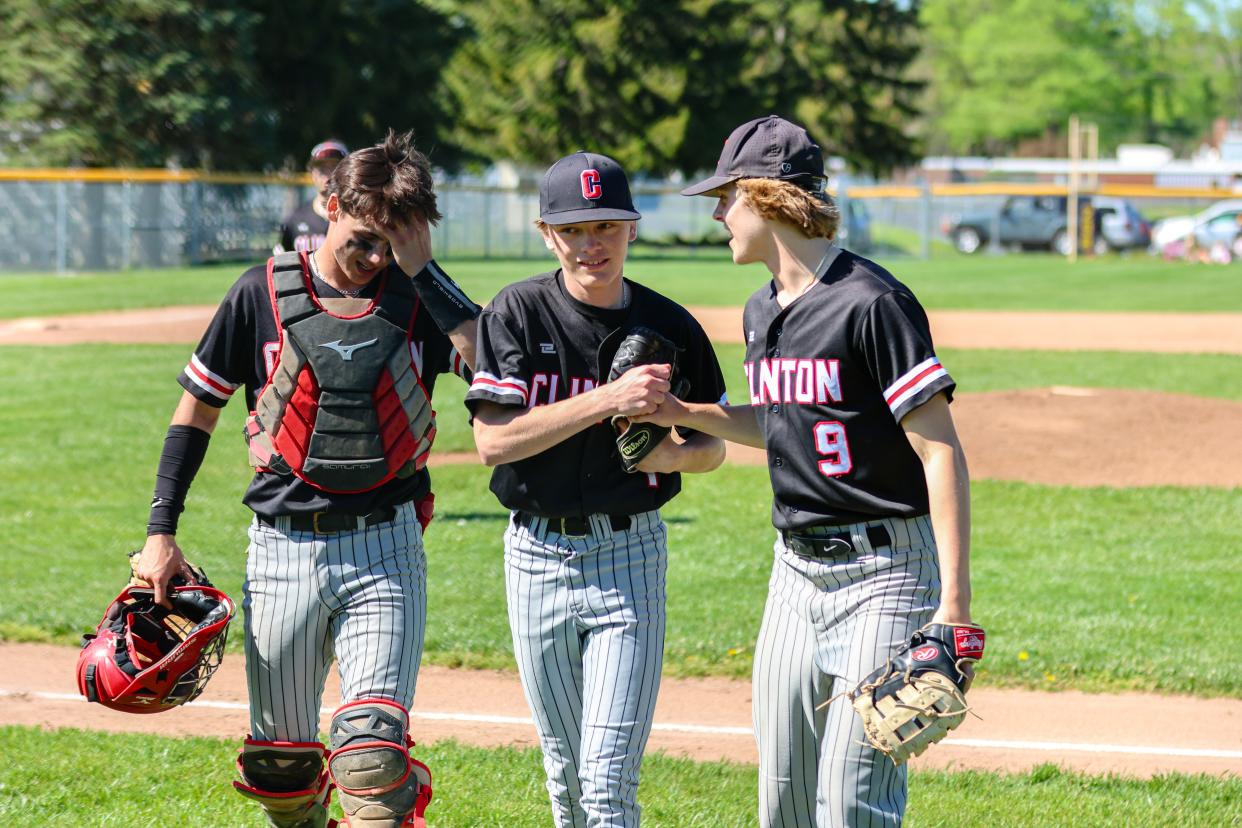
point(129, 82)
point(1006, 71)
point(1222, 25)
point(1145, 70)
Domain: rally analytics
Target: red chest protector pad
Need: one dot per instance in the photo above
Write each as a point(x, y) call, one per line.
point(344, 408)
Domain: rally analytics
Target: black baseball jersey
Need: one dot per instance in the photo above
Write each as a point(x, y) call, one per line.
point(830, 377)
point(240, 348)
point(303, 230)
point(537, 345)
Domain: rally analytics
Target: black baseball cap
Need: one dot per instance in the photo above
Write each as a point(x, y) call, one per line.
point(585, 186)
point(769, 147)
point(330, 150)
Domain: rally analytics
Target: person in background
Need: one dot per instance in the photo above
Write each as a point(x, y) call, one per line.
point(304, 229)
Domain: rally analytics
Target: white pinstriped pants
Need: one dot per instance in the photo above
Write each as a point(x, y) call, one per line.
point(359, 597)
point(827, 624)
point(587, 617)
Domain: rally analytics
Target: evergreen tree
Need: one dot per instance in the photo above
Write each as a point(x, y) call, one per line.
point(659, 83)
point(129, 83)
point(842, 69)
point(351, 69)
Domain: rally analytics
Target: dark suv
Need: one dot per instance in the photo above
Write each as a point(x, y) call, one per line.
point(1038, 222)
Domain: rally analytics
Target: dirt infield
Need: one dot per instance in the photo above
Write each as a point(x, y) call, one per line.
point(1057, 436)
point(1153, 332)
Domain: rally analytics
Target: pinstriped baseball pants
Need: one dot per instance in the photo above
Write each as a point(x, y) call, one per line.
point(587, 617)
point(827, 624)
point(357, 597)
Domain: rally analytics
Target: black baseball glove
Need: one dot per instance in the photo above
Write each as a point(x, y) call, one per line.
point(643, 346)
point(920, 695)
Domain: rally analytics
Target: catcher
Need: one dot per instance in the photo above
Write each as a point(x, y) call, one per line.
point(561, 355)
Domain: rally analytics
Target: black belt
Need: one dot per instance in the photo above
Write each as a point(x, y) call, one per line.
point(578, 527)
point(326, 523)
point(831, 545)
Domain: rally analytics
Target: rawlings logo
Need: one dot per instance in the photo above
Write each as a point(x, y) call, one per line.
point(968, 641)
point(925, 653)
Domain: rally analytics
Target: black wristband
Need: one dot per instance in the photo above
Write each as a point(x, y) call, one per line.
point(184, 450)
point(448, 304)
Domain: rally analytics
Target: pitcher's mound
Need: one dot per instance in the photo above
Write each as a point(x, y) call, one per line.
point(1065, 436)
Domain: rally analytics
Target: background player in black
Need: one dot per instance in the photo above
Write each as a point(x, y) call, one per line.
point(585, 549)
point(304, 229)
point(329, 575)
point(871, 493)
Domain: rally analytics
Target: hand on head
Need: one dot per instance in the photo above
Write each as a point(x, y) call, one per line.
point(410, 243)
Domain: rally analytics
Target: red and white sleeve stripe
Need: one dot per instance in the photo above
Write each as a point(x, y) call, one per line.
point(912, 382)
point(456, 364)
point(212, 383)
point(501, 386)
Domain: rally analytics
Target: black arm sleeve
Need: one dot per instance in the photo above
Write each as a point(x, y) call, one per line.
point(184, 450)
point(448, 304)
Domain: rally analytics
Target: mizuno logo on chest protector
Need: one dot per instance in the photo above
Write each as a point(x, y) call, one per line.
point(344, 408)
point(347, 351)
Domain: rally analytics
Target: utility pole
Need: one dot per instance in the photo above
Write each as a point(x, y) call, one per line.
point(1080, 136)
point(1071, 206)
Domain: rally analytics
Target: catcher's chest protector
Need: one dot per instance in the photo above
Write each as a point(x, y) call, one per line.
point(344, 408)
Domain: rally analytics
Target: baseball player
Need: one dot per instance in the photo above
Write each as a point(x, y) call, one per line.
point(585, 552)
point(304, 229)
point(869, 482)
point(338, 353)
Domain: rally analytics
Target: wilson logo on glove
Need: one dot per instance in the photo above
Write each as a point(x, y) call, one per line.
point(636, 447)
point(643, 346)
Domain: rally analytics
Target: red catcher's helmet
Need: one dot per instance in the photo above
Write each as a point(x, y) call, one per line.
point(144, 658)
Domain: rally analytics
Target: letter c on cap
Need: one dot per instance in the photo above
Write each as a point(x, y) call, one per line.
point(591, 188)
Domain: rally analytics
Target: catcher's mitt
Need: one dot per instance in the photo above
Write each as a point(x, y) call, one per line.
point(643, 346)
point(920, 694)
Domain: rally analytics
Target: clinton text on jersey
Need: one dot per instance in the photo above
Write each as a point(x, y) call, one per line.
point(802, 381)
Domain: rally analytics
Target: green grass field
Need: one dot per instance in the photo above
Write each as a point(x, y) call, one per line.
point(1060, 574)
point(186, 782)
point(1095, 589)
point(1015, 282)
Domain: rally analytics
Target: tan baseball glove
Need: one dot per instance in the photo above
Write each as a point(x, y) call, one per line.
point(920, 694)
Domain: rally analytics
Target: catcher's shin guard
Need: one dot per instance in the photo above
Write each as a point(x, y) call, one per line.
point(380, 785)
point(289, 780)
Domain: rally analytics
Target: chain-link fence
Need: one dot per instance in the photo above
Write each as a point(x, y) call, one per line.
point(58, 224)
point(65, 225)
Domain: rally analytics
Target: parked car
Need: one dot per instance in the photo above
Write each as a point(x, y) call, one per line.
point(1038, 222)
point(1119, 224)
point(1218, 223)
point(855, 230)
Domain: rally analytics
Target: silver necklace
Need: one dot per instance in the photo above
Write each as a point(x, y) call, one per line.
point(815, 273)
point(314, 266)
